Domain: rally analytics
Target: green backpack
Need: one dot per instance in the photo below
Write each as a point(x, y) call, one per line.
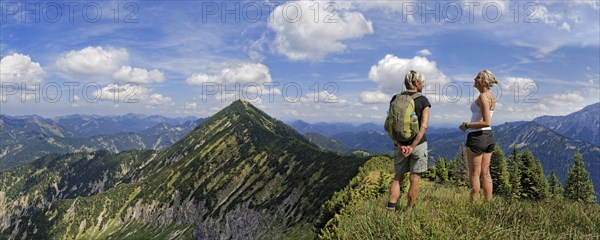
point(400, 123)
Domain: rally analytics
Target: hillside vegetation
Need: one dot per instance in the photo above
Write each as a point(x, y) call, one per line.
point(444, 211)
point(239, 175)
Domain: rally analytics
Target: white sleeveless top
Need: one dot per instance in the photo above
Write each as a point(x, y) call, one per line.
point(476, 117)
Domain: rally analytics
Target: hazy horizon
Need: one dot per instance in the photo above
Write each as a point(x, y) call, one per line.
point(287, 121)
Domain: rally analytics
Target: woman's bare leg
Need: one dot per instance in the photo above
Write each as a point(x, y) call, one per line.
point(486, 177)
point(474, 172)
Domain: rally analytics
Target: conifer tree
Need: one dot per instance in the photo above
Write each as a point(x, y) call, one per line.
point(555, 189)
point(513, 158)
point(499, 172)
point(541, 180)
point(441, 170)
point(532, 179)
point(459, 169)
point(578, 185)
point(515, 181)
point(430, 173)
point(452, 169)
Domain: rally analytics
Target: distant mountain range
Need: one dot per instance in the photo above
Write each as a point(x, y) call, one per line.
point(370, 141)
point(327, 143)
point(583, 124)
point(92, 125)
point(26, 138)
point(239, 175)
point(330, 129)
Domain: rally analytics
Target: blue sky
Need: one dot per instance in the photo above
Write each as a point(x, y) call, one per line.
point(346, 57)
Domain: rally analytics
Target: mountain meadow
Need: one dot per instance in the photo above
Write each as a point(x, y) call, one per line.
point(242, 174)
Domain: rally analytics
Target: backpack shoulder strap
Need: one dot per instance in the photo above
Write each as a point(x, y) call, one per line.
point(416, 95)
point(397, 95)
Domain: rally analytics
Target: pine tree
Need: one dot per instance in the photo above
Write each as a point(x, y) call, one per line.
point(515, 181)
point(532, 177)
point(499, 172)
point(452, 169)
point(430, 173)
point(513, 158)
point(554, 186)
point(578, 185)
point(541, 180)
point(458, 169)
point(526, 165)
point(441, 170)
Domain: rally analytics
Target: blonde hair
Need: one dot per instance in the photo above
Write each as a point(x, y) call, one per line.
point(489, 78)
point(411, 77)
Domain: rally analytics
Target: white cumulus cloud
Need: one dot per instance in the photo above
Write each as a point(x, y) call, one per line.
point(424, 52)
point(19, 68)
point(322, 97)
point(303, 34)
point(235, 73)
point(156, 99)
point(374, 97)
point(389, 72)
point(138, 75)
point(131, 94)
point(92, 61)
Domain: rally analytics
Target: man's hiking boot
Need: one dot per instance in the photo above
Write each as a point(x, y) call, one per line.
point(391, 206)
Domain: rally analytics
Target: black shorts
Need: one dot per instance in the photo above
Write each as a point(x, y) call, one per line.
point(481, 141)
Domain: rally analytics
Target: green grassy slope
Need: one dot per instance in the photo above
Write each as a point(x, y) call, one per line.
point(445, 212)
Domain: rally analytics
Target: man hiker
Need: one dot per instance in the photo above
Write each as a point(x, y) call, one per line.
point(406, 124)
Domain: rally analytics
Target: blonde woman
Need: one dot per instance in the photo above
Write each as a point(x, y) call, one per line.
point(480, 140)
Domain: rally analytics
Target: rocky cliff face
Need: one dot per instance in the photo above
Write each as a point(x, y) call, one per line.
point(241, 175)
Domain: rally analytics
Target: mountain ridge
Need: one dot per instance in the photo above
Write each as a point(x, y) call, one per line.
point(582, 125)
point(240, 174)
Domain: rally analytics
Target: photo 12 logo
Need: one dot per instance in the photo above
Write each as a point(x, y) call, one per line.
point(469, 11)
point(291, 92)
point(53, 92)
point(257, 11)
point(455, 91)
point(408, 11)
point(52, 12)
point(292, 11)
